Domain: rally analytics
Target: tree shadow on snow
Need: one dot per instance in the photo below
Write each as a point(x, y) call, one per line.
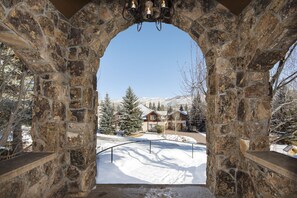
point(109, 173)
point(112, 173)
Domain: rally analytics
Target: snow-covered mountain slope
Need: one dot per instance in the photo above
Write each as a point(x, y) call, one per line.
point(174, 101)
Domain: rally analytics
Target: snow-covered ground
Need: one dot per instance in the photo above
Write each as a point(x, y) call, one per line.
point(280, 149)
point(168, 163)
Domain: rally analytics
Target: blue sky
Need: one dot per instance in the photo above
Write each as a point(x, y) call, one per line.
point(149, 61)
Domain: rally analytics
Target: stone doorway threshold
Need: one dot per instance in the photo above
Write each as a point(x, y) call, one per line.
point(150, 191)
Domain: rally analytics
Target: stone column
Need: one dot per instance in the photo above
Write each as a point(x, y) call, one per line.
point(254, 108)
point(49, 122)
point(238, 103)
point(81, 128)
point(49, 112)
point(222, 136)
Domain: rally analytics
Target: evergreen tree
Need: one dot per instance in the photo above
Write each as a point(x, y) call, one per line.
point(186, 108)
point(181, 108)
point(119, 108)
point(107, 121)
point(154, 107)
point(150, 105)
point(131, 115)
point(197, 114)
point(170, 110)
point(159, 107)
point(162, 108)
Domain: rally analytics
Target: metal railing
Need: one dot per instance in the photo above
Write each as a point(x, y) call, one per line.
point(150, 146)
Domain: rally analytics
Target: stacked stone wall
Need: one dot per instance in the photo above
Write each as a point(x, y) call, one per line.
point(263, 182)
point(64, 54)
point(266, 31)
point(45, 180)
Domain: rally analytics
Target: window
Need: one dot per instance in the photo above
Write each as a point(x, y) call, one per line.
point(152, 117)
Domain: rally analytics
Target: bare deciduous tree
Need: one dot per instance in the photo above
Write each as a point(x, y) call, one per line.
point(284, 72)
point(16, 87)
point(283, 79)
point(194, 74)
point(194, 85)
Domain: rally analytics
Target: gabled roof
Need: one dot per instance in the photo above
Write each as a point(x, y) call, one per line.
point(145, 110)
point(162, 113)
point(181, 112)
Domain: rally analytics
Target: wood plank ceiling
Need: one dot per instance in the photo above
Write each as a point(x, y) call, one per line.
point(69, 7)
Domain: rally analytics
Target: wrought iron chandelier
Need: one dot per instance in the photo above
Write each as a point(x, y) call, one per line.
point(148, 11)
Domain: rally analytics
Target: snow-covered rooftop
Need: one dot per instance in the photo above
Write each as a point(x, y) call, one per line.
point(145, 110)
point(162, 113)
point(182, 112)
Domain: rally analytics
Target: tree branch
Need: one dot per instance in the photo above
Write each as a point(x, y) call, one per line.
point(12, 115)
point(282, 105)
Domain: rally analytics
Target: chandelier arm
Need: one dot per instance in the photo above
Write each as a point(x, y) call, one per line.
point(158, 25)
point(139, 26)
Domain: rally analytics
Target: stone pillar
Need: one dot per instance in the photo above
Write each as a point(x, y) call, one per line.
point(81, 128)
point(49, 122)
point(254, 108)
point(49, 112)
point(222, 143)
point(238, 103)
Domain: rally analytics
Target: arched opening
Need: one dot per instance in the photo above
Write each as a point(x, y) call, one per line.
point(154, 67)
point(64, 54)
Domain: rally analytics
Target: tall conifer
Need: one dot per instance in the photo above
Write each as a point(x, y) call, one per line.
point(131, 115)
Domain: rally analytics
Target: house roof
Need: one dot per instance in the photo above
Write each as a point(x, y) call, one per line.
point(145, 110)
point(181, 112)
point(162, 113)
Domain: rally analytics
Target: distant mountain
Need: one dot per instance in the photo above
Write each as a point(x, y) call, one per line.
point(174, 102)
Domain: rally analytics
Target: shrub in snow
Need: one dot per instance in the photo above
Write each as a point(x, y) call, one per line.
point(159, 129)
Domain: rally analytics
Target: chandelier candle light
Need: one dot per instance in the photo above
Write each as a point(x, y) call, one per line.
point(148, 11)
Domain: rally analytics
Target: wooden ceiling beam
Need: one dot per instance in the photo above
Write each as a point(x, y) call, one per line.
point(69, 7)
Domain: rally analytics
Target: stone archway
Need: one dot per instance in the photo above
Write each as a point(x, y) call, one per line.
point(65, 54)
point(210, 37)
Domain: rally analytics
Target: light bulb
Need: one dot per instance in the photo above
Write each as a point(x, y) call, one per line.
point(163, 5)
point(148, 12)
point(133, 6)
point(149, 6)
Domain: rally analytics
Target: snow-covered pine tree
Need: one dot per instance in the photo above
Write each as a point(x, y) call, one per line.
point(197, 114)
point(159, 107)
point(154, 107)
point(169, 110)
point(181, 108)
point(186, 108)
point(131, 115)
point(107, 120)
point(150, 105)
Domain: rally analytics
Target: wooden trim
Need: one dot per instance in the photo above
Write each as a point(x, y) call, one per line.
point(277, 162)
point(17, 166)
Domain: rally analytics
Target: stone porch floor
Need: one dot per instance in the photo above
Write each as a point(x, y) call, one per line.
point(150, 191)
